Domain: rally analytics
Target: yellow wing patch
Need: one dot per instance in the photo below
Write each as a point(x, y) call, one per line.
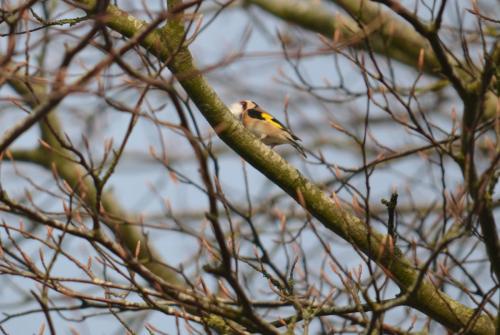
point(269, 118)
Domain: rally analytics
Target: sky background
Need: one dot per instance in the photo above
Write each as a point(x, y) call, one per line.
point(143, 186)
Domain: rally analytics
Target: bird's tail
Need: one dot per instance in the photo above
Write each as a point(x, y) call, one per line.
point(298, 147)
point(294, 141)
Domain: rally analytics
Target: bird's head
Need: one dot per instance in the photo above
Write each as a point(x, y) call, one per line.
point(238, 108)
point(248, 104)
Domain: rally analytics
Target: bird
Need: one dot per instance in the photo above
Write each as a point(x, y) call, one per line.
point(265, 126)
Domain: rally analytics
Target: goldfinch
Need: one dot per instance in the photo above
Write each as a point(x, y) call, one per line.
point(263, 125)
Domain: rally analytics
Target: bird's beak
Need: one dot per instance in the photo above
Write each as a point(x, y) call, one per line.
point(236, 109)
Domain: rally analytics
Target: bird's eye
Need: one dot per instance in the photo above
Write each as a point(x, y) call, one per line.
point(243, 104)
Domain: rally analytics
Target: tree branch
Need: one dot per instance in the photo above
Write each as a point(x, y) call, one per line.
point(427, 298)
